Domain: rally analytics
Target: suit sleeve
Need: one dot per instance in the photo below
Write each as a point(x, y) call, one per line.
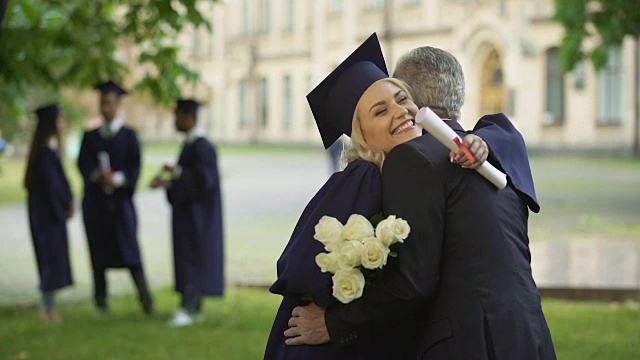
point(199, 176)
point(412, 191)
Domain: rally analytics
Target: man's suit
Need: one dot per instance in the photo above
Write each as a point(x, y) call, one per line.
point(462, 281)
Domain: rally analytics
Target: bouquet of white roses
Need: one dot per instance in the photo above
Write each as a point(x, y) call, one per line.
point(354, 248)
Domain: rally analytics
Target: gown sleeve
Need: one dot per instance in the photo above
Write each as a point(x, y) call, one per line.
point(198, 177)
point(509, 153)
point(53, 184)
point(356, 190)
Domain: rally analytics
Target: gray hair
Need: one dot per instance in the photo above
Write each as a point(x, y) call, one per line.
point(435, 78)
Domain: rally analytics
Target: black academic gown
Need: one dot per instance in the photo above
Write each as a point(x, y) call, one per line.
point(356, 190)
point(508, 153)
point(110, 218)
point(462, 279)
point(197, 221)
point(48, 206)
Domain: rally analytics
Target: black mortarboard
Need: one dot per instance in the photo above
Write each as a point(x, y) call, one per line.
point(111, 86)
point(187, 105)
point(48, 112)
point(334, 100)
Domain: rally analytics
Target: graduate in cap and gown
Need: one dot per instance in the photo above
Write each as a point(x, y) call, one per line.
point(50, 205)
point(109, 161)
point(193, 189)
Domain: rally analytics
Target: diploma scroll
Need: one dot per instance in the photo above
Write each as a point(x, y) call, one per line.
point(105, 167)
point(443, 133)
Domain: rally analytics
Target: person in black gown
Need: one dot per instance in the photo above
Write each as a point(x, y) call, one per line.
point(193, 189)
point(50, 204)
point(109, 161)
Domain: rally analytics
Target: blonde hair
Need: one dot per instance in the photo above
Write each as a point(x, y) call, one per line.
point(359, 149)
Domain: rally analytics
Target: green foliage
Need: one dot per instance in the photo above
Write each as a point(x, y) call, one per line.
point(49, 44)
point(607, 22)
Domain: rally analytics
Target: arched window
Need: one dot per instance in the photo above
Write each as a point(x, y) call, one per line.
point(611, 90)
point(492, 92)
point(554, 96)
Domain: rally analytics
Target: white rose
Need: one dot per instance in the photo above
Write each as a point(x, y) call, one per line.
point(374, 253)
point(384, 231)
point(328, 262)
point(328, 232)
point(349, 254)
point(348, 285)
point(401, 229)
point(357, 228)
point(392, 230)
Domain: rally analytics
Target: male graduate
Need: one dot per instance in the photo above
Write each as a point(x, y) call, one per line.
point(194, 193)
point(109, 161)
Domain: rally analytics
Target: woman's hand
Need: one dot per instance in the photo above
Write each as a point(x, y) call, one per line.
point(477, 147)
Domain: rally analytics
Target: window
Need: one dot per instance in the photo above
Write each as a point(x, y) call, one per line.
point(245, 17)
point(611, 90)
point(291, 15)
point(195, 50)
point(336, 7)
point(579, 75)
point(375, 4)
point(287, 106)
point(310, 121)
point(554, 110)
point(263, 98)
point(265, 22)
point(243, 104)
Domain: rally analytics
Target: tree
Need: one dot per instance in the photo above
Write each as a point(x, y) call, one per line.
point(604, 23)
point(46, 45)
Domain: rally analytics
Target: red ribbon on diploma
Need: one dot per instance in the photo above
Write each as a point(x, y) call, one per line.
point(464, 149)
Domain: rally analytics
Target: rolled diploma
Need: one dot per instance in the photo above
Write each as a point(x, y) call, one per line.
point(443, 133)
point(105, 167)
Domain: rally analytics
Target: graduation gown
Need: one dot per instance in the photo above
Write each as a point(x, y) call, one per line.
point(463, 276)
point(508, 153)
point(197, 220)
point(110, 218)
point(48, 206)
point(356, 190)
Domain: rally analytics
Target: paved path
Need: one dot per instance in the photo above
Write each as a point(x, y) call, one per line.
point(263, 197)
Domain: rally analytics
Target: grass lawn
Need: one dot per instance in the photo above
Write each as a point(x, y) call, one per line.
point(237, 327)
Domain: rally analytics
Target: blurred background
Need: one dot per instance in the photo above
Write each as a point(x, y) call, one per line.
point(566, 72)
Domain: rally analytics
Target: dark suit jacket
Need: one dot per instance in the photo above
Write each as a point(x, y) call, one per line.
point(462, 280)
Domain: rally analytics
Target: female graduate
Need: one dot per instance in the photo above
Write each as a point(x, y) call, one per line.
point(50, 205)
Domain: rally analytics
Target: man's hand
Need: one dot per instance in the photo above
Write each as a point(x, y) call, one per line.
point(157, 182)
point(108, 180)
point(169, 168)
point(477, 147)
point(307, 326)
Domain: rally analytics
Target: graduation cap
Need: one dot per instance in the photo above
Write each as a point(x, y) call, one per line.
point(334, 100)
point(111, 86)
point(187, 105)
point(48, 112)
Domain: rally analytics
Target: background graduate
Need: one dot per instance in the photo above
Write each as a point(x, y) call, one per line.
point(50, 205)
point(193, 189)
point(109, 161)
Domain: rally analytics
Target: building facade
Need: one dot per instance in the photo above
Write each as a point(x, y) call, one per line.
point(264, 56)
